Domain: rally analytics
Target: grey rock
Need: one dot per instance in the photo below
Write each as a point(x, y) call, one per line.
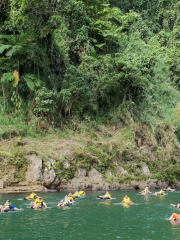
point(49, 177)
point(67, 154)
point(80, 172)
point(93, 173)
point(34, 171)
point(136, 167)
point(109, 174)
point(49, 163)
point(177, 184)
point(145, 169)
point(120, 171)
point(66, 164)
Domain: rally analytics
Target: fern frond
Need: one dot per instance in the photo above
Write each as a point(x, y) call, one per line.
point(3, 59)
point(7, 77)
point(5, 68)
point(15, 49)
point(4, 47)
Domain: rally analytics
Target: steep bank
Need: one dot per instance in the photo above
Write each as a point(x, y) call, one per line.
point(92, 159)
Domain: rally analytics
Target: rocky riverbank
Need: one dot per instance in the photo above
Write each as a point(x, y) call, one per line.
point(107, 159)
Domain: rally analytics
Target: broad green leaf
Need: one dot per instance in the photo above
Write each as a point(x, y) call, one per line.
point(29, 82)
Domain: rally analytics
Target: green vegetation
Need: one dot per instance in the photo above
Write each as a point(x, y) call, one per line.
point(72, 67)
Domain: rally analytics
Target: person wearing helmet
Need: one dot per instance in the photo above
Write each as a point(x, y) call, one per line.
point(8, 207)
point(145, 191)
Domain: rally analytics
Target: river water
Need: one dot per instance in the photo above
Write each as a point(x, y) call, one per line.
point(91, 218)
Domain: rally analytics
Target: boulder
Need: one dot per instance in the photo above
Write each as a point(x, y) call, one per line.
point(49, 176)
point(161, 184)
point(145, 169)
point(34, 171)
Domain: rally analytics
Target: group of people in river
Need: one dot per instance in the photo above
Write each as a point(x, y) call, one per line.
point(127, 201)
point(161, 192)
point(38, 202)
point(69, 199)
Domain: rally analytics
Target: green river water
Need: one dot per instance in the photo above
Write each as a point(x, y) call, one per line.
point(91, 218)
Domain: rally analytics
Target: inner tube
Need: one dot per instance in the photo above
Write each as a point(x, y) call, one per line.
point(176, 219)
point(38, 208)
point(9, 210)
point(67, 204)
point(103, 197)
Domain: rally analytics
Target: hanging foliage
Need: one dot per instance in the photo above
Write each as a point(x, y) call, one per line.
point(16, 78)
point(92, 57)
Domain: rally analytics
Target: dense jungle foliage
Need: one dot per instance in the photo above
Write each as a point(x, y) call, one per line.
point(102, 61)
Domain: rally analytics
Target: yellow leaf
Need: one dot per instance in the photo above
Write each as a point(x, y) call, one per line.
point(16, 78)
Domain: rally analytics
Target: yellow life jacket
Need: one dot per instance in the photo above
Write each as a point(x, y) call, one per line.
point(81, 192)
point(6, 205)
point(40, 202)
point(146, 190)
point(70, 198)
point(161, 192)
point(107, 195)
point(76, 194)
point(127, 200)
point(32, 195)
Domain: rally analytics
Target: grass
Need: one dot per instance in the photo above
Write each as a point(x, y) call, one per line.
point(103, 148)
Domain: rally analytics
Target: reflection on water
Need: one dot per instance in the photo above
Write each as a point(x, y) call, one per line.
point(175, 225)
point(105, 202)
point(146, 198)
point(92, 219)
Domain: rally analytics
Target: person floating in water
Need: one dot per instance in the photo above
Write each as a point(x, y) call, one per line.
point(175, 217)
point(8, 207)
point(38, 203)
point(169, 189)
point(81, 193)
point(31, 196)
point(161, 192)
point(66, 201)
point(176, 206)
point(126, 200)
point(145, 191)
point(76, 195)
point(106, 196)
